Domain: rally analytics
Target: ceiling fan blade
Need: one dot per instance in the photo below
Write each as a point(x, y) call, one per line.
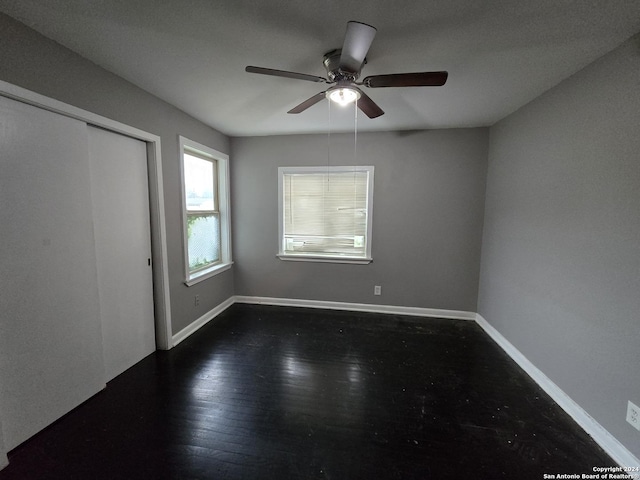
point(283, 73)
point(368, 106)
point(356, 44)
point(308, 103)
point(422, 79)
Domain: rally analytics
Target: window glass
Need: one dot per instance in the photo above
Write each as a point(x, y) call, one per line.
point(326, 212)
point(206, 210)
point(199, 181)
point(203, 240)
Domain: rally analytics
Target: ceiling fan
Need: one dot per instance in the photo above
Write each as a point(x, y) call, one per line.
point(343, 70)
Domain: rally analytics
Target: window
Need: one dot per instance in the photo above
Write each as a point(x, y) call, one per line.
point(207, 236)
point(325, 213)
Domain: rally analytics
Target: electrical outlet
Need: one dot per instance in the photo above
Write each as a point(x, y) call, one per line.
point(377, 290)
point(633, 415)
point(196, 300)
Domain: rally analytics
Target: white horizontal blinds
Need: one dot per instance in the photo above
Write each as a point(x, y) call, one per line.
point(203, 214)
point(325, 213)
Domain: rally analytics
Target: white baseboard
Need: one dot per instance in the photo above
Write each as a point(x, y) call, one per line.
point(201, 322)
point(608, 442)
point(358, 307)
point(292, 302)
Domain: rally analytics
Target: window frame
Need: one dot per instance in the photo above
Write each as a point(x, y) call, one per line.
point(222, 202)
point(325, 258)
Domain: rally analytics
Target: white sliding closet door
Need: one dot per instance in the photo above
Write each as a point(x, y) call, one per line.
point(50, 335)
point(119, 186)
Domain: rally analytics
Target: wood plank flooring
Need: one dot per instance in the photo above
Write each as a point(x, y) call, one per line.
point(290, 393)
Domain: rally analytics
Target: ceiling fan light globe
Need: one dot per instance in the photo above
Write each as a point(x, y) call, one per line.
point(343, 96)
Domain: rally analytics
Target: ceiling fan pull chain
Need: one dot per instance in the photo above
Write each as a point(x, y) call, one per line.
point(355, 139)
point(328, 139)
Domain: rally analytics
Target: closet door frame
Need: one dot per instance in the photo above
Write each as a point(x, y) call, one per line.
point(161, 296)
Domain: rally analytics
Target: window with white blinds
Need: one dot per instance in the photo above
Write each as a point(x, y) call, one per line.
point(325, 213)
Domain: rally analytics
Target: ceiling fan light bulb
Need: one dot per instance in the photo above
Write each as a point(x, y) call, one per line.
point(343, 96)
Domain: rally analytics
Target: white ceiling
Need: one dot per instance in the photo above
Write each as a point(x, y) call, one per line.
point(500, 54)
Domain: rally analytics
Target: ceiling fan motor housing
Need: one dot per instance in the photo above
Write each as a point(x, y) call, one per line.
point(331, 63)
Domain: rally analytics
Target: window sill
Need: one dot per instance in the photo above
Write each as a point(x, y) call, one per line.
point(208, 273)
point(324, 259)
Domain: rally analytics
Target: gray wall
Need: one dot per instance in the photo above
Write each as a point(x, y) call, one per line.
point(427, 218)
point(560, 275)
point(4, 461)
point(31, 61)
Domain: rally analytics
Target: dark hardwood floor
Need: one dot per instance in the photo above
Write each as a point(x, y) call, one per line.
point(289, 393)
